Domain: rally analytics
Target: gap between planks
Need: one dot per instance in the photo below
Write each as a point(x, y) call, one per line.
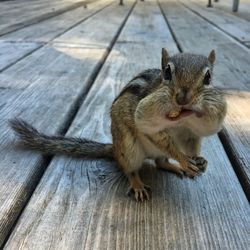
point(38, 44)
point(232, 34)
point(231, 72)
point(82, 203)
point(243, 12)
point(19, 195)
point(42, 17)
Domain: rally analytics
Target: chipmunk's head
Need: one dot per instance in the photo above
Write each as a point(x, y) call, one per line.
point(187, 75)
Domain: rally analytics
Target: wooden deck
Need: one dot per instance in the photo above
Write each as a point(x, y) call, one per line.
point(62, 63)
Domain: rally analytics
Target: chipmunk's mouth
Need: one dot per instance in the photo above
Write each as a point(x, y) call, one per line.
point(184, 113)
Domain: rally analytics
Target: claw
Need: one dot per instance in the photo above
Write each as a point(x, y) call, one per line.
point(140, 194)
point(136, 196)
point(194, 168)
point(192, 161)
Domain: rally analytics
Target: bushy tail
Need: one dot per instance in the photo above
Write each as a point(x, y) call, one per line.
point(32, 139)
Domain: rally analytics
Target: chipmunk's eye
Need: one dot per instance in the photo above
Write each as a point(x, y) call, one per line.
point(207, 78)
point(167, 73)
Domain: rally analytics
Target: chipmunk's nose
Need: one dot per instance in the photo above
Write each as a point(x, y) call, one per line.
point(182, 97)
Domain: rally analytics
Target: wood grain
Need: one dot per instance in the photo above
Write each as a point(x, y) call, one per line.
point(48, 29)
point(11, 52)
point(64, 55)
point(10, 7)
point(229, 23)
point(48, 103)
point(7, 96)
point(226, 6)
point(230, 72)
point(81, 204)
point(19, 18)
point(16, 45)
point(236, 135)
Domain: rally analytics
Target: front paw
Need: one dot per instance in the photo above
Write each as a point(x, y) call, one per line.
point(194, 166)
point(200, 162)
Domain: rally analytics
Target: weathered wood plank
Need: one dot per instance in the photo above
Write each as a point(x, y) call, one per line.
point(11, 11)
point(231, 24)
point(226, 6)
point(33, 37)
point(236, 135)
point(24, 18)
point(20, 9)
point(54, 60)
point(11, 52)
point(48, 29)
point(85, 207)
point(10, 6)
point(196, 35)
point(230, 71)
point(81, 204)
point(49, 102)
point(8, 96)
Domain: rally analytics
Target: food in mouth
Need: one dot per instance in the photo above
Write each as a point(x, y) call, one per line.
point(174, 113)
point(179, 113)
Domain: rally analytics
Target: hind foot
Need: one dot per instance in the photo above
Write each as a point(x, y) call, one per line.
point(137, 187)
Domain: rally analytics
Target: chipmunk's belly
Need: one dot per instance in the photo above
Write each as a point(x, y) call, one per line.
point(151, 151)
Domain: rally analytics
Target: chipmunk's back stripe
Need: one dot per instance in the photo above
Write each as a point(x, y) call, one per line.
point(141, 84)
point(148, 75)
point(134, 89)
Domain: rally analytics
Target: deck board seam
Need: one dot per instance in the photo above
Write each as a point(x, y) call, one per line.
point(41, 18)
point(214, 25)
point(233, 158)
point(235, 14)
point(45, 163)
point(223, 134)
point(69, 119)
point(179, 209)
point(43, 44)
point(93, 76)
point(170, 28)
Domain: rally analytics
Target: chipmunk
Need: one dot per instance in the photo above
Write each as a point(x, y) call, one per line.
point(160, 114)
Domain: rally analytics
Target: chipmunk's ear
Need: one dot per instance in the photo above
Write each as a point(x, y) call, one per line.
point(211, 57)
point(164, 58)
